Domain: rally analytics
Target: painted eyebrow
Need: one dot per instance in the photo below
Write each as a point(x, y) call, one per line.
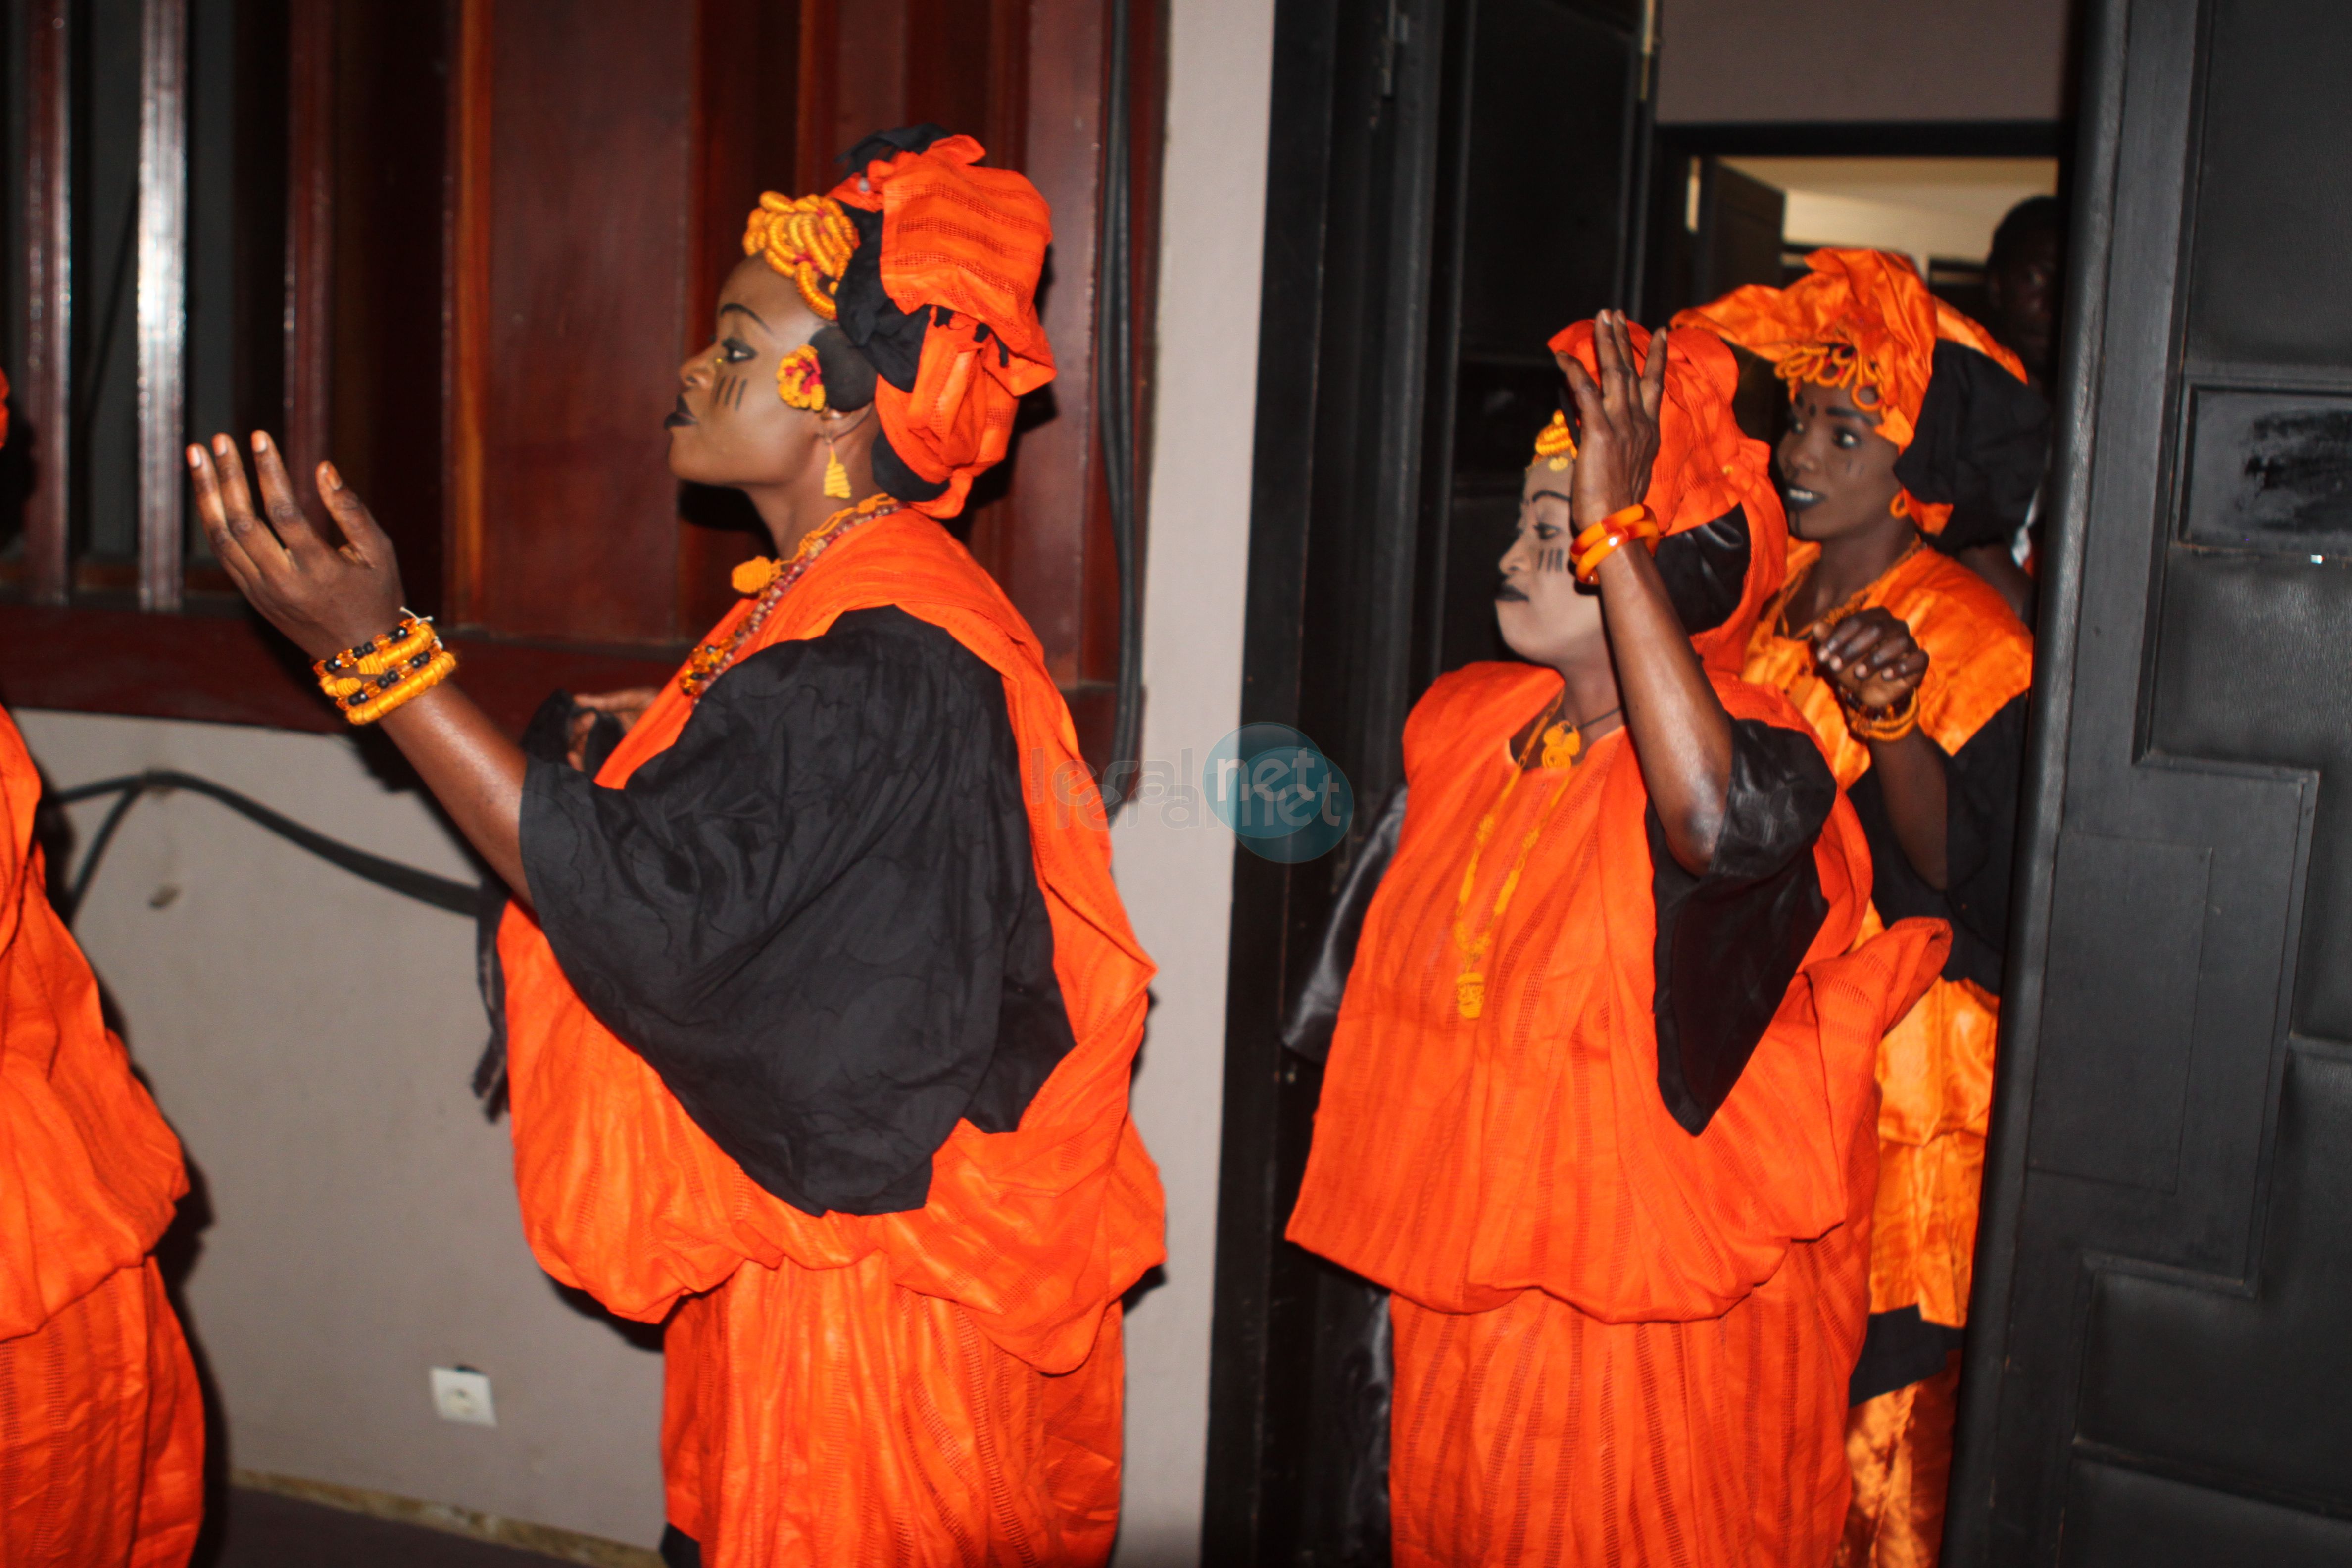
point(1551, 495)
point(747, 309)
point(1854, 414)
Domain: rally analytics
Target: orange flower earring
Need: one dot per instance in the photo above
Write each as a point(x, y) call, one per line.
point(800, 380)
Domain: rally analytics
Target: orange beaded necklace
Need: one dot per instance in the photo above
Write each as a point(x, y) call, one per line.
point(770, 580)
point(1563, 744)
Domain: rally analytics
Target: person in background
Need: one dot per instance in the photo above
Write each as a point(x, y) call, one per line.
point(1598, 1105)
point(2025, 282)
point(1906, 418)
point(101, 1423)
point(819, 1023)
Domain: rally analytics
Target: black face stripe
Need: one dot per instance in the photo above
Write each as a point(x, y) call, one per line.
point(1552, 559)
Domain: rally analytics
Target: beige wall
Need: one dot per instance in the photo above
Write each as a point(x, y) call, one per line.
point(1175, 872)
point(1861, 59)
point(310, 1038)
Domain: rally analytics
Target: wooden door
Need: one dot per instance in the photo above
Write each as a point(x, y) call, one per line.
point(2158, 1370)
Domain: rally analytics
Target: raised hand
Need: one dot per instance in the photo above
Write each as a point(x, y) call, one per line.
point(1619, 440)
point(1871, 659)
point(325, 596)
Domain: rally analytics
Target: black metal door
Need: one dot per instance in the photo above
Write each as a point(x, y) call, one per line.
point(2161, 1366)
point(1449, 185)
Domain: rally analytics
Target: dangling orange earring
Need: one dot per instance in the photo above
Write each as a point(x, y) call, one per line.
point(836, 478)
point(1902, 507)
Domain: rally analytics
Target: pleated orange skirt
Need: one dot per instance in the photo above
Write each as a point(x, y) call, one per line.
point(101, 1433)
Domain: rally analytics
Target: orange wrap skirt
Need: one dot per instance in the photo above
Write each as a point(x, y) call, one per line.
point(101, 1433)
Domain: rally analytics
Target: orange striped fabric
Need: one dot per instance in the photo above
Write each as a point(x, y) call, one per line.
point(101, 1432)
point(951, 1376)
point(1935, 1066)
point(1615, 1343)
point(968, 243)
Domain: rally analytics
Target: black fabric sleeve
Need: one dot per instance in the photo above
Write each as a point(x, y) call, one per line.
point(1705, 570)
point(1982, 783)
point(816, 915)
point(1731, 940)
point(1313, 1015)
point(548, 737)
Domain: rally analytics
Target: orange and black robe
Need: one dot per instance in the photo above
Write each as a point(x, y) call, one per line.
point(819, 1039)
point(1623, 1213)
point(102, 1426)
point(1936, 1066)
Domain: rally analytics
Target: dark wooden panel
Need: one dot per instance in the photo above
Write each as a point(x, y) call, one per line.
point(585, 221)
point(2127, 1519)
point(236, 671)
point(747, 114)
point(384, 422)
point(2127, 932)
point(2266, 278)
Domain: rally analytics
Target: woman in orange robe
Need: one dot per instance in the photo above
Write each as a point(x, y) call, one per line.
point(820, 1002)
point(1599, 1104)
point(1910, 423)
point(102, 1425)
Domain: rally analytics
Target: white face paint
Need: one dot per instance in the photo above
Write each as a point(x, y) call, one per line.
point(1546, 616)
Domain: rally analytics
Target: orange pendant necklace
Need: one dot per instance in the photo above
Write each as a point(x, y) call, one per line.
point(1563, 744)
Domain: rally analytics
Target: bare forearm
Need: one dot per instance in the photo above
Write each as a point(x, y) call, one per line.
point(472, 769)
point(1681, 733)
point(1911, 780)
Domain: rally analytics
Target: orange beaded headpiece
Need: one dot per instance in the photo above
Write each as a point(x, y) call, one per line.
point(806, 238)
point(1705, 467)
point(1557, 442)
point(1860, 319)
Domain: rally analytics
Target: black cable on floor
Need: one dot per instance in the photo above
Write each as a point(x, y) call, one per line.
point(441, 892)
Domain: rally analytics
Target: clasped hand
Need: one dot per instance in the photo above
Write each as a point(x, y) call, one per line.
point(1872, 658)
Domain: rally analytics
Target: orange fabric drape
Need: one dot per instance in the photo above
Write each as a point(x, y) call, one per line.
point(1935, 1067)
point(1705, 467)
point(101, 1430)
point(935, 1387)
point(1614, 1341)
point(968, 243)
point(1899, 1446)
point(1874, 303)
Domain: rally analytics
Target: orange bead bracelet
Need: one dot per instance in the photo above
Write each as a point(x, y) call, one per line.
point(1610, 534)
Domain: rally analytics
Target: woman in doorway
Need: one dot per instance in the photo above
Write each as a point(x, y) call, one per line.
point(1908, 416)
point(819, 1025)
point(1599, 1104)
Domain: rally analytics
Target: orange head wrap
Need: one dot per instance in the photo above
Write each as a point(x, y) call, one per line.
point(929, 264)
point(1705, 467)
point(1861, 320)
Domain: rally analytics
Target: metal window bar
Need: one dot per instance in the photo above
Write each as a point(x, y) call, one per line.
point(162, 251)
point(48, 303)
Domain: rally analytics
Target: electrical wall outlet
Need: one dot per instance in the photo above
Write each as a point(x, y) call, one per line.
point(461, 1394)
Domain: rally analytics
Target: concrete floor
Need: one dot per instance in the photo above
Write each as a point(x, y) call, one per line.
point(262, 1530)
